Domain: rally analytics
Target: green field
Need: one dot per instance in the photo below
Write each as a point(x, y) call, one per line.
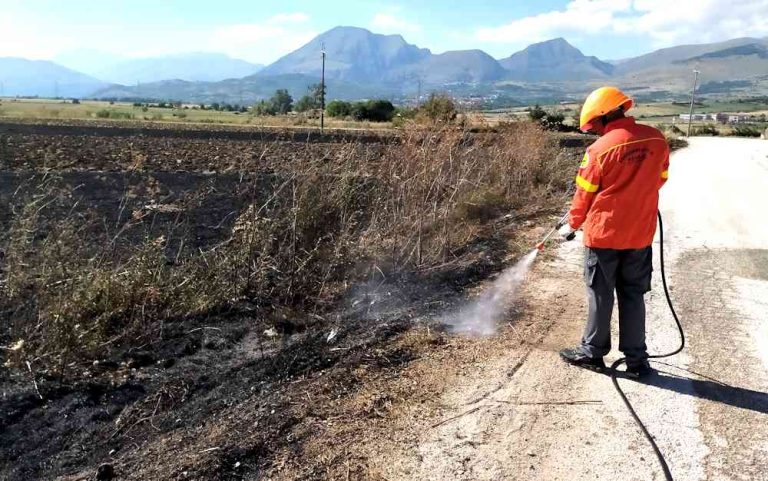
point(50, 109)
point(662, 113)
point(668, 113)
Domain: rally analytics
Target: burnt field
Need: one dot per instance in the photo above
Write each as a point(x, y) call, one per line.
point(190, 303)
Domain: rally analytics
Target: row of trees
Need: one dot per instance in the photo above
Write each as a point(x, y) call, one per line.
point(282, 102)
point(223, 107)
point(372, 110)
point(439, 107)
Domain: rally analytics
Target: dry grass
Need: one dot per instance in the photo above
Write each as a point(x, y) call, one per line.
point(316, 226)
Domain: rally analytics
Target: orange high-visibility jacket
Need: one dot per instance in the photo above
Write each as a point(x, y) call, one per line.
point(618, 184)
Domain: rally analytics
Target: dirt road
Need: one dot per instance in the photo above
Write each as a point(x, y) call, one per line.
point(513, 417)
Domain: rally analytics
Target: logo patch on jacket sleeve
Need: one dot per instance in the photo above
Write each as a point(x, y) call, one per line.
point(584, 161)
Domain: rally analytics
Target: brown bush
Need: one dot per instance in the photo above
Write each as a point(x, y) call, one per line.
point(314, 226)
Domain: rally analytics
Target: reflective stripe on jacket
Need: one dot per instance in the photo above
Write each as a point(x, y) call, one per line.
point(617, 187)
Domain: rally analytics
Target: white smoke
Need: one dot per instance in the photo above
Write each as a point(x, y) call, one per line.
point(480, 317)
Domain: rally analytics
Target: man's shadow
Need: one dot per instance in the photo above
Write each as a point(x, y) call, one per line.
point(705, 388)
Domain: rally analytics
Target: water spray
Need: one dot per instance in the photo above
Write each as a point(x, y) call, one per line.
point(481, 315)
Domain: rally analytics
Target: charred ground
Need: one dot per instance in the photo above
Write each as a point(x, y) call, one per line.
point(200, 304)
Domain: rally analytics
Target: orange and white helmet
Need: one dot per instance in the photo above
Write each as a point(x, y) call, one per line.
point(601, 102)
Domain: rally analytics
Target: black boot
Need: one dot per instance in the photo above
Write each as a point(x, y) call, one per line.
point(638, 371)
point(578, 358)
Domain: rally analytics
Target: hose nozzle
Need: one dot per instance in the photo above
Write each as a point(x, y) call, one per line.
point(561, 222)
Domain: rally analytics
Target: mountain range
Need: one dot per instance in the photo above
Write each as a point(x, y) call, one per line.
point(19, 76)
point(361, 64)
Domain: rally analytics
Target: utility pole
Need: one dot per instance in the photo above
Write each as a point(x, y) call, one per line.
point(693, 97)
point(322, 92)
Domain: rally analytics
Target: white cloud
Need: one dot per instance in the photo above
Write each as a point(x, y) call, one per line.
point(664, 22)
point(590, 16)
point(262, 42)
point(32, 37)
point(283, 18)
point(696, 21)
point(19, 38)
point(391, 23)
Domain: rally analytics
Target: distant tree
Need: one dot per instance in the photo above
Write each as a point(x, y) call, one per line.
point(554, 121)
point(312, 100)
point(281, 102)
point(75, 101)
point(304, 104)
point(339, 108)
point(380, 110)
point(536, 113)
point(359, 111)
point(372, 110)
point(439, 107)
point(263, 108)
point(317, 92)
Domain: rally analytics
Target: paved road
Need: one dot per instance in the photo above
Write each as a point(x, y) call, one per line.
point(707, 407)
point(718, 238)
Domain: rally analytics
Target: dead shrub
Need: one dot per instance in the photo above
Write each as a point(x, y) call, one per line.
point(481, 205)
point(311, 224)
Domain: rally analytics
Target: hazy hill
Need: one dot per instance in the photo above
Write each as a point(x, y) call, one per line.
point(668, 56)
point(44, 78)
point(554, 60)
point(198, 66)
point(362, 64)
point(244, 91)
point(89, 61)
point(460, 66)
point(353, 54)
point(738, 67)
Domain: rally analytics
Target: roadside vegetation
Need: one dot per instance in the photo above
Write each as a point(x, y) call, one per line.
point(145, 321)
point(71, 296)
point(312, 271)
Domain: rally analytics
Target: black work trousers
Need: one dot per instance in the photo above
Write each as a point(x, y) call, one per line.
point(628, 273)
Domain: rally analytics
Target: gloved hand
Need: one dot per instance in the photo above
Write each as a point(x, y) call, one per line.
point(567, 232)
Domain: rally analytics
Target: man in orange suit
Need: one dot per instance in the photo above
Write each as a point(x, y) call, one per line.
point(616, 200)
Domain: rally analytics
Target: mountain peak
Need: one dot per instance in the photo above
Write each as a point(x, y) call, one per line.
point(354, 54)
point(556, 46)
point(553, 60)
point(557, 40)
point(356, 33)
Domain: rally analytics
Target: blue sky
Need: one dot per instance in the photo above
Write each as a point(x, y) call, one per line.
point(262, 31)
